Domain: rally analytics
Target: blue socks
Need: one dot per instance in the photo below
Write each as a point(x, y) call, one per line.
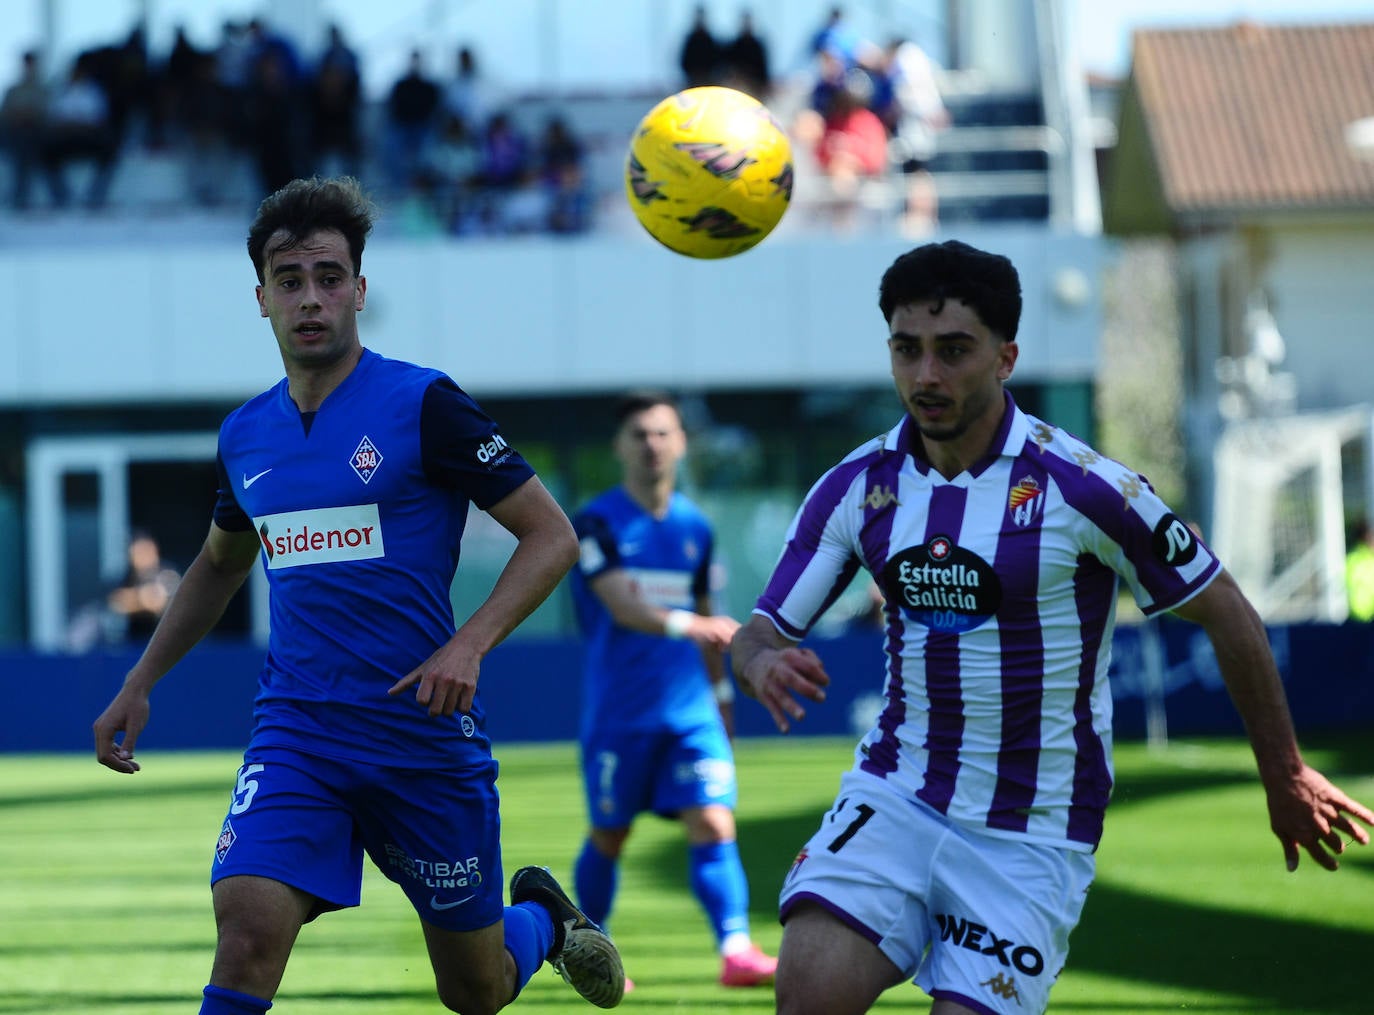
point(595, 878)
point(529, 936)
point(223, 1001)
point(717, 877)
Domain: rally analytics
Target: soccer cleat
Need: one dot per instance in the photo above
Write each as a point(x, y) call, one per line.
point(749, 968)
point(582, 953)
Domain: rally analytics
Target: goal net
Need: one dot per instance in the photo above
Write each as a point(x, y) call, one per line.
point(1284, 490)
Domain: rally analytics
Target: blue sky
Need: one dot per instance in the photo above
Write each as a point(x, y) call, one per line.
point(541, 43)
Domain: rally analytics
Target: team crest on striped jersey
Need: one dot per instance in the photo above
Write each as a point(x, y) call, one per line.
point(1026, 501)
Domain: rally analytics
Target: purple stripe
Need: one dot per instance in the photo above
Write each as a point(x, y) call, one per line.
point(1094, 589)
point(875, 539)
point(945, 734)
point(801, 548)
point(844, 916)
point(1023, 649)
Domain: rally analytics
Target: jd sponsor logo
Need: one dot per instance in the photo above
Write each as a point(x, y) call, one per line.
point(321, 536)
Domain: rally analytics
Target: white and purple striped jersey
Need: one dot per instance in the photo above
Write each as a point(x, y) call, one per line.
point(1000, 590)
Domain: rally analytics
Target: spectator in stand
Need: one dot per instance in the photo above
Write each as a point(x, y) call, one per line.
point(79, 130)
point(411, 111)
point(562, 178)
point(206, 115)
point(505, 156)
point(853, 141)
point(914, 113)
point(450, 168)
point(275, 118)
point(847, 141)
point(700, 57)
point(335, 102)
point(745, 60)
point(468, 94)
point(23, 115)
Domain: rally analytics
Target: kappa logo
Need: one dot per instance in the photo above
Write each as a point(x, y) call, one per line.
point(1003, 987)
point(880, 497)
point(1025, 501)
point(366, 459)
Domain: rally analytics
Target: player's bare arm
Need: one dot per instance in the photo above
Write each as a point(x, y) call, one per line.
point(772, 669)
point(218, 571)
point(1305, 810)
point(546, 549)
point(629, 609)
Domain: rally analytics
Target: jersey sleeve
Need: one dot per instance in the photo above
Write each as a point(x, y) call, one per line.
point(462, 448)
point(819, 557)
point(597, 550)
point(228, 515)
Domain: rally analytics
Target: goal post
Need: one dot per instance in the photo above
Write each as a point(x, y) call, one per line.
point(1283, 487)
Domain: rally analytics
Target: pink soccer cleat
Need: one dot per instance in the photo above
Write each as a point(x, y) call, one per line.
point(749, 968)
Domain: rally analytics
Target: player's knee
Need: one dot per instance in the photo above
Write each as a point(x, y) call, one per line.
point(474, 998)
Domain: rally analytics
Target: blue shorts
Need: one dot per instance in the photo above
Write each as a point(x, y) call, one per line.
point(625, 774)
point(306, 821)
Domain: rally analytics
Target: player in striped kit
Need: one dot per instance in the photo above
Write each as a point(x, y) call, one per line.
point(960, 846)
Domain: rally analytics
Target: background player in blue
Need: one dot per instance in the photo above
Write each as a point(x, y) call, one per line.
point(960, 846)
point(351, 480)
point(653, 735)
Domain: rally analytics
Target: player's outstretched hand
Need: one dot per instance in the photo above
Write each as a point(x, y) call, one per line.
point(127, 714)
point(774, 675)
point(1308, 811)
point(713, 632)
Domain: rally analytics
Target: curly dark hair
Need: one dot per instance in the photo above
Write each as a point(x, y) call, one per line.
point(304, 206)
point(987, 283)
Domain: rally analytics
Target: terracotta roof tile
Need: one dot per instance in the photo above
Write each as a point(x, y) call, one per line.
point(1255, 115)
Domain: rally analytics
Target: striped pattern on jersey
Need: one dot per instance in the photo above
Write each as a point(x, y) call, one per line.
point(1000, 587)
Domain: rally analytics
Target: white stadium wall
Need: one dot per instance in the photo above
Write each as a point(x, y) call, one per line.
point(145, 322)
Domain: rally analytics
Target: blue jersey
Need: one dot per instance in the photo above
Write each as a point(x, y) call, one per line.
point(631, 680)
point(360, 508)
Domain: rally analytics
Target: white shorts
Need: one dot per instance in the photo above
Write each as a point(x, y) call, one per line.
point(979, 919)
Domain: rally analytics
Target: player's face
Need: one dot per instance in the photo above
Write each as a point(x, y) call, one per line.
point(312, 297)
point(650, 444)
point(948, 368)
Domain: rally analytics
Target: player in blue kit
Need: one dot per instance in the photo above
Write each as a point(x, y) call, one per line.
point(653, 735)
point(351, 480)
point(960, 846)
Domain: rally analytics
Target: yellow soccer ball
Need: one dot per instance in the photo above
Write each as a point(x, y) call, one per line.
point(709, 172)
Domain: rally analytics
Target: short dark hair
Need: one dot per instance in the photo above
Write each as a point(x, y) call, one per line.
point(645, 398)
point(304, 206)
point(988, 283)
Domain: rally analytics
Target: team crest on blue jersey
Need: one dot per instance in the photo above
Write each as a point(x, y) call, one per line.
point(366, 459)
point(1026, 501)
point(943, 586)
point(226, 839)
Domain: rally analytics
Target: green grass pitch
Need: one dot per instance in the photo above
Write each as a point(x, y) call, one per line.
point(104, 905)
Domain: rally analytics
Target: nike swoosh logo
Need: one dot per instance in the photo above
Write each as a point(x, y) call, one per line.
point(250, 480)
point(434, 902)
